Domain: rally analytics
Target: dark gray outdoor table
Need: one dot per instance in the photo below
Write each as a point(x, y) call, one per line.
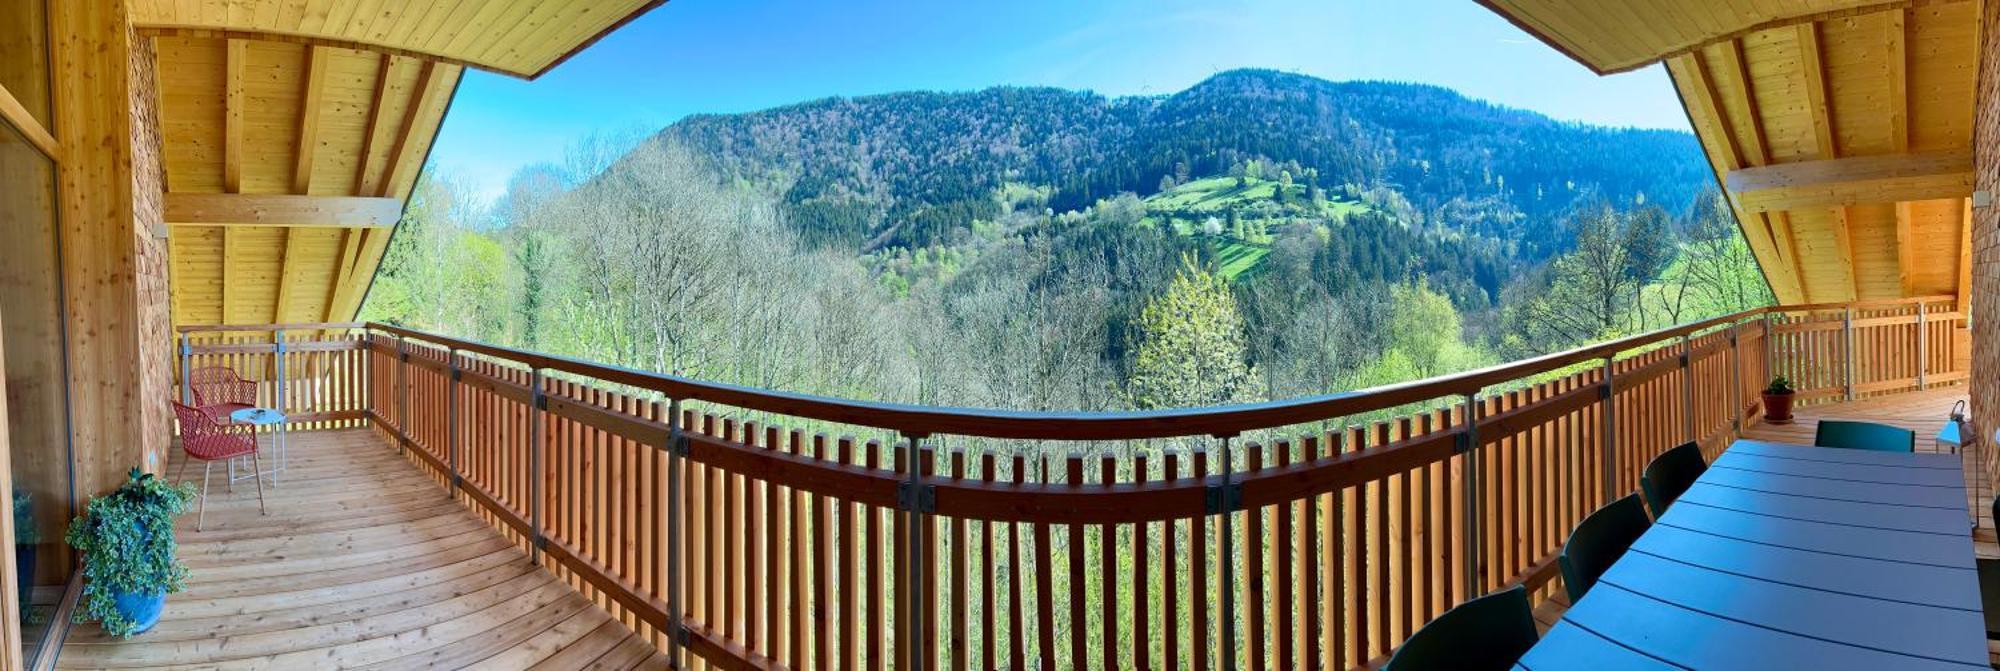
point(1790, 557)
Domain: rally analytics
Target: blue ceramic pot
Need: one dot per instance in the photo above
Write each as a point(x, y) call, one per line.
point(141, 608)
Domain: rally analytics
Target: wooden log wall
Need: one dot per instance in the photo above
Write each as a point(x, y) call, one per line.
point(773, 545)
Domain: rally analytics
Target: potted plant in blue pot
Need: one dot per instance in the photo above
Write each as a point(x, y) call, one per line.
point(126, 539)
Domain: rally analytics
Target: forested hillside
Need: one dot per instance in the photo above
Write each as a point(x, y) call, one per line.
point(913, 169)
point(1260, 235)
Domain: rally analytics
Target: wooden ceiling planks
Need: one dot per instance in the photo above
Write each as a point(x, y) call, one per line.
point(288, 124)
point(1840, 128)
point(277, 153)
point(523, 38)
point(1612, 37)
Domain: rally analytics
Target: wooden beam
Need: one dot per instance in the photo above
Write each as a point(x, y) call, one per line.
point(1906, 249)
point(228, 270)
point(1898, 81)
point(1788, 234)
point(1817, 106)
point(234, 209)
point(1850, 181)
point(1843, 245)
point(1705, 102)
point(1965, 259)
point(371, 138)
point(1737, 89)
point(423, 104)
point(316, 63)
point(1701, 95)
point(232, 120)
point(294, 244)
point(350, 248)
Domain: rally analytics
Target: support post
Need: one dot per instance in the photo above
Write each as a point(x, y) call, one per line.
point(916, 502)
point(535, 410)
point(187, 363)
point(1610, 456)
point(1923, 347)
point(402, 393)
point(278, 355)
point(1847, 347)
point(1687, 388)
point(676, 449)
point(1228, 556)
point(451, 425)
point(1770, 349)
point(1735, 380)
point(1468, 450)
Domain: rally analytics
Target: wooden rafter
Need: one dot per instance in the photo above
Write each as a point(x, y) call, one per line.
point(1704, 107)
point(236, 209)
point(423, 103)
point(371, 138)
point(1817, 106)
point(1898, 82)
point(316, 64)
point(350, 250)
point(233, 105)
point(294, 245)
point(228, 273)
point(1906, 249)
point(1843, 245)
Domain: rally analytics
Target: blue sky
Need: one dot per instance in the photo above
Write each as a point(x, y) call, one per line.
point(695, 56)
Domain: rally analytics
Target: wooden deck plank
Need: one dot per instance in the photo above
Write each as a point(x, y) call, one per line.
point(361, 561)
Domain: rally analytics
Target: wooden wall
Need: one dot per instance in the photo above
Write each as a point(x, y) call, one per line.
point(1986, 240)
point(107, 280)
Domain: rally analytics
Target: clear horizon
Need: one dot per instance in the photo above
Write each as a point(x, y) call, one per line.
point(710, 56)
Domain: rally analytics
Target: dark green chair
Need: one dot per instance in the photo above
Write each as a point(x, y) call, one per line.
point(1487, 633)
point(1669, 474)
point(1598, 541)
point(1865, 436)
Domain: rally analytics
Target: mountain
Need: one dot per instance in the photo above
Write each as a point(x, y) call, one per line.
point(915, 169)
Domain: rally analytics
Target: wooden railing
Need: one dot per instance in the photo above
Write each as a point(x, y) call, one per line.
point(746, 528)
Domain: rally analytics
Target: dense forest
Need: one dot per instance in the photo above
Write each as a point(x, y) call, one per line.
point(1260, 235)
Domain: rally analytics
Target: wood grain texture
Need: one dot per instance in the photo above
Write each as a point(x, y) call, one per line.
point(361, 561)
point(523, 38)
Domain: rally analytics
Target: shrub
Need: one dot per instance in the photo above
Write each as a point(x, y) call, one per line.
point(126, 539)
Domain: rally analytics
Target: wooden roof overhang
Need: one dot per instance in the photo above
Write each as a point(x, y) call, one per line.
point(1840, 129)
point(293, 131)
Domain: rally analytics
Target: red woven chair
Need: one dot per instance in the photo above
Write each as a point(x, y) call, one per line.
point(219, 391)
point(205, 438)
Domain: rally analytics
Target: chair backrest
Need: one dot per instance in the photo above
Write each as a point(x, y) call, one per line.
point(203, 438)
point(1669, 474)
point(1490, 632)
point(213, 385)
point(1864, 436)
point(1598, 541)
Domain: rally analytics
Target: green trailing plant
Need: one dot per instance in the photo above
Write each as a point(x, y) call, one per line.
point(1779, 385)
point(26, 531)
point(126, 539)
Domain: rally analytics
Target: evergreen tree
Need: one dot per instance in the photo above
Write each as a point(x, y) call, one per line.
point(1191, 348)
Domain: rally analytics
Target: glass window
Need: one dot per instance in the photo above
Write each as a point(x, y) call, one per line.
point(31, 342)
point(24, 55)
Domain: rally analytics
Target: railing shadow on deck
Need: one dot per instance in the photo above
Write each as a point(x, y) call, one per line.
point(740, 527)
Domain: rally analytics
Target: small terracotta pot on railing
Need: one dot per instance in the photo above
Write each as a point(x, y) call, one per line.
point(1778, 407)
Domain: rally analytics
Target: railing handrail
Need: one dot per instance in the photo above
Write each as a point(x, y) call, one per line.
point(922, 421)
point(1523, 448)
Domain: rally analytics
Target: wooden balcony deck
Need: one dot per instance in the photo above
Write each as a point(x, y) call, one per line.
point(362, 562)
